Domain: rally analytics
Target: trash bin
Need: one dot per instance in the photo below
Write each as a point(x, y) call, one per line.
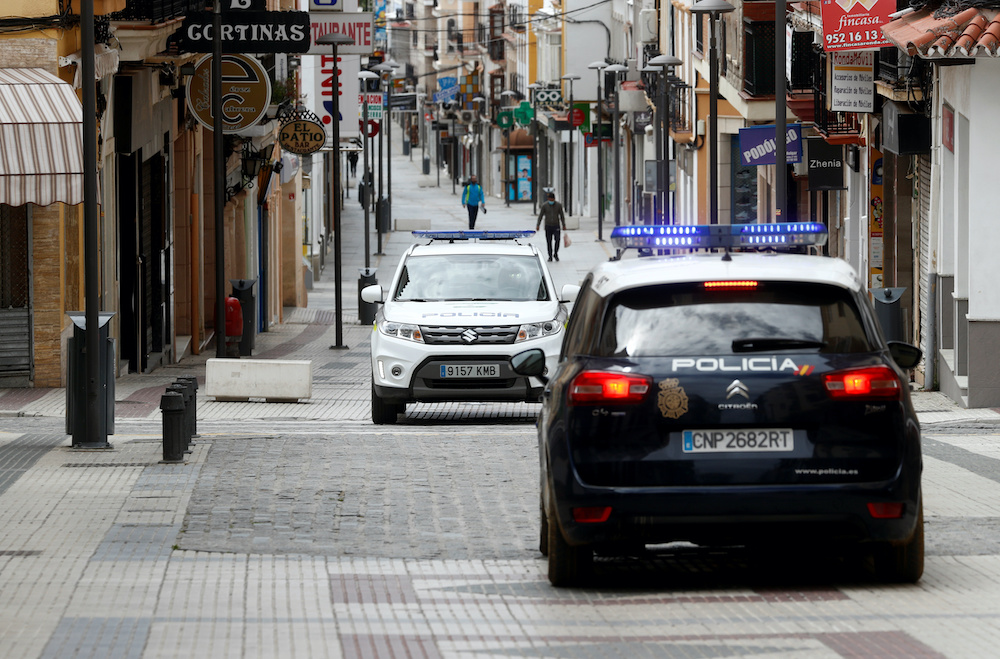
point(889, 311)
point(382, 220)
point(406, 147)
point(427, 165)
point(362, 194)
point(366, 310)
point(243, 291)
point(76, 388)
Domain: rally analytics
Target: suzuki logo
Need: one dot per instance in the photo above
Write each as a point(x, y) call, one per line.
point(737, 388)
point(470, 336)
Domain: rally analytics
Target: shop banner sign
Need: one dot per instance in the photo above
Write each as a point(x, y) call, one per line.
point(248, 32)
point(358, 25)
point(757, 145)
point(826, 165)
point(852, 82)
point(855, 24)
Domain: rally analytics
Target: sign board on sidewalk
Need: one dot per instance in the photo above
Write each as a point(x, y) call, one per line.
point(852, 82)
point(248, 32)
point(855, 24)
point(359, 25)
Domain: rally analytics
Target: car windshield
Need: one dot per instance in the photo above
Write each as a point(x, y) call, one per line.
point(690, 320)
point(455, 277)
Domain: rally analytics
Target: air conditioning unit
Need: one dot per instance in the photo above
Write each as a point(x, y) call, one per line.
point(468, 116)
point(647, 26)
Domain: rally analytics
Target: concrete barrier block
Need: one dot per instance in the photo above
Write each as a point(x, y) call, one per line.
point(274, 380)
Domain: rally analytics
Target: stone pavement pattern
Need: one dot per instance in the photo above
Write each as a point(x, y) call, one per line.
point(301, 530)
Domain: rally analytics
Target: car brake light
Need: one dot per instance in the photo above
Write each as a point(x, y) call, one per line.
point(871, 382)
point(730, 285)
point(893, 510)
point(592, 515)
point(604, 388)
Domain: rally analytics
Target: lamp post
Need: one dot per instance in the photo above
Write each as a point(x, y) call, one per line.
point(477, 161)
point(383, 70)
point(617, 69)
point(666, 63)
point(599, 66)
point(714, 8)
point(504, 178)
point(572, 129)
point(534, 87)
point(365, 76)
point(335, 40)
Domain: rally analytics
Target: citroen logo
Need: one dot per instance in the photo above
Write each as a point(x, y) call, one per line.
point(470, 336)
point(737, 388)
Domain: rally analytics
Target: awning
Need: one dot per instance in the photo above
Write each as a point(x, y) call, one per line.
point(41, 139)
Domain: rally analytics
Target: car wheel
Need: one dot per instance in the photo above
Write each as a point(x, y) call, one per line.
point(543, 536)
point(568, 565)
point(902, 563)
point(383, 413)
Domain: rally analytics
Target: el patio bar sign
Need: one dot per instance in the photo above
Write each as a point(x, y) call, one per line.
point(249, 32)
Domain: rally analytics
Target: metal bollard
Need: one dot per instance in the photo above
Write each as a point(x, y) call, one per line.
point(192, 407)
point(172, 411)
point(182, 389)
point(188, 391)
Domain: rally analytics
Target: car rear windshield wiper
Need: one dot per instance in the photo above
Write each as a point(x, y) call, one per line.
point(777, 343)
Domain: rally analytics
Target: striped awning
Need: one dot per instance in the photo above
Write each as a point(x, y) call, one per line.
point(41, 139)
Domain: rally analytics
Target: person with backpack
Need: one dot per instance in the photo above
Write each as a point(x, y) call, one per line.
point(473, 199)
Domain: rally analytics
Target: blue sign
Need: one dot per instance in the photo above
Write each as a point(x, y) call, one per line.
point(446, 94)
point(446, 82)
point(757, 145)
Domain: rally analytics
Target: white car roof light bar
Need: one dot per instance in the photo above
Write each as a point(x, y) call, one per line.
point(472, 235)
point(719, 236)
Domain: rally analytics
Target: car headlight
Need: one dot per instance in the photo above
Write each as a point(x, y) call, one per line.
point(531, 331)
point(404, 331)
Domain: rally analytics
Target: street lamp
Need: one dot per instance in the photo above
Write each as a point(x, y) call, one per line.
point(477, 104)
point(335, 40)
point(504, 179)
point(382, 70)
point(535, 169)
point(365, 76)
point(666, 63)
point(714, 8)
point(616, 69)
point(572, 129)
point(599, 66)
point(388, 137)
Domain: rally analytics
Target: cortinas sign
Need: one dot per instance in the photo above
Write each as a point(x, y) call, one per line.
point(248, 32)
point(303, 135)
point(855, 24)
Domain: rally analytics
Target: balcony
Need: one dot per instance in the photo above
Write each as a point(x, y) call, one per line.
point(156, 11)
point(680, 100)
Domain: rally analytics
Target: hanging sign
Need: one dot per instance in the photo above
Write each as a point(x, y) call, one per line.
point(855, 24)
point(757, 145)
point(826, 165)
point(246, 92)
point(302, 136)
point(358, 25)
point(852, 82)
point(248, 32)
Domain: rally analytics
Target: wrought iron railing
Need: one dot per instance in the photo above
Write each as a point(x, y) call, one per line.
point(679, 97)
point(158, 11)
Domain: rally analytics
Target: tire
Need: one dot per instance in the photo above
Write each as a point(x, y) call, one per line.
point(568, 565)
point(383, 413)
point(904, 562)
point(543, 536)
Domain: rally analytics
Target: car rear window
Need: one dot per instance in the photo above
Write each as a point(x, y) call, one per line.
point(689, 319)
point(454, 277)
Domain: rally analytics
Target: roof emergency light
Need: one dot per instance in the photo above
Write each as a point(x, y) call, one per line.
point(719, 236)
point(472, 235)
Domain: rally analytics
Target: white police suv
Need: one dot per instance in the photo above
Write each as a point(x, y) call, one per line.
point(459, 306)
point(728, 399)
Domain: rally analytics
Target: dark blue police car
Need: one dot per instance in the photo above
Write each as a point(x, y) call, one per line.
point(727, 399)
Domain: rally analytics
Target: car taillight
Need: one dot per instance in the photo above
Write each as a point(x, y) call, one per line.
point(737, 285)
point(860, 383)
point(604, 388)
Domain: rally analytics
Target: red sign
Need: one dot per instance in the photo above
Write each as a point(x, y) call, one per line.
point(855, 24)
point(576, 115)
point(372, 128)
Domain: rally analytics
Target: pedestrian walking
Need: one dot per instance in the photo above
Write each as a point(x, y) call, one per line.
point(554, 217)
point(473, 199)
point(352, 160)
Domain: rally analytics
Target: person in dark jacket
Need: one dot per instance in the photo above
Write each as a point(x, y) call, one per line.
point(554, 217)
point(473, 199)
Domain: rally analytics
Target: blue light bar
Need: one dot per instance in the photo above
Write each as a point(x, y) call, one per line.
point(473, 235)
point(706, 236)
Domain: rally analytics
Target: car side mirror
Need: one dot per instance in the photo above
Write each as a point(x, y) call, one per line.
point(372, 293)
point(530, 363)
point(905, 355)
point(569, 293)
